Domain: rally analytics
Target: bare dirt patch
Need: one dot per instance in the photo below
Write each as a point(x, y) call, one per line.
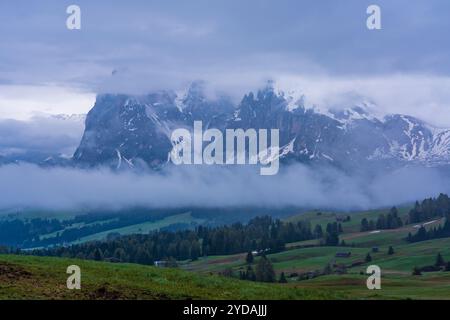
point(10, 272)
point(105, 293)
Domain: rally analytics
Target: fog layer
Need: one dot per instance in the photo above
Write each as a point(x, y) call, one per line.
point(29, 186)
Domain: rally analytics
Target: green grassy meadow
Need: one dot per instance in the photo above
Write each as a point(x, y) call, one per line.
point(308, 256)
point(29, 277)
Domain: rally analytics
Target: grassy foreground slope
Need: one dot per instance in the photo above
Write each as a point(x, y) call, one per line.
point(27, 277)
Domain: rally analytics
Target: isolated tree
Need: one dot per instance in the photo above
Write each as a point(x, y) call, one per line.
point(390, 251)
point(364, 225)
point(439, 261)
point(265, 271)
point(368, 258)
point(332, 234)
point(249, 259)
point(282, 278)
point(410, 237)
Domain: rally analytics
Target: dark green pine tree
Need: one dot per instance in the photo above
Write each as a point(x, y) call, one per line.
point(390, 251)
point(265, 271)
point(282, 278)
point(332, 234)
point(364, 225)
point(318, 232)
point(410, 237)
point(249, 259)
point(439, 260)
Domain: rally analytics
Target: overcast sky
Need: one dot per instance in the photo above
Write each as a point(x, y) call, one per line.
point(322, 46)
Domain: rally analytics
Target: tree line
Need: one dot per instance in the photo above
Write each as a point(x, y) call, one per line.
point(389, 221)
point(261, 234)
point(442, 231)
point(19, 232)
point(28, 233)
point(430, 208)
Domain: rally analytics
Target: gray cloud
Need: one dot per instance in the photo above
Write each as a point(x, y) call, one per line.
point(425, 97)
point(140, 46)
point(179, 37)
point(42, 134)
point(62, 188)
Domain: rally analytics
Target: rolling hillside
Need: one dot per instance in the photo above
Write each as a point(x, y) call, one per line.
point(25, 277)
point(307, 257)
point(302, 262)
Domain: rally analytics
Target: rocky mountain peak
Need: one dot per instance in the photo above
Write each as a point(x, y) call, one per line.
point(126, 129)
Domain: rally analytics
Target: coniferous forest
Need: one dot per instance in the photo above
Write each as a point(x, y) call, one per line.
point(262, 234)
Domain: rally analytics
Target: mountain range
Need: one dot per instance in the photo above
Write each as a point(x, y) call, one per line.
point(133, 131)
point(129, 130)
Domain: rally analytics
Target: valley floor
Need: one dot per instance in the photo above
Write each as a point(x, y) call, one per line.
point(32, 277)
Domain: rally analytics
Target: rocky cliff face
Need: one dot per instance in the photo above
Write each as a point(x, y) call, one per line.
point(124, 130)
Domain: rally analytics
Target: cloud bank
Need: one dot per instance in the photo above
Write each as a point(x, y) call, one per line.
point(42, 134)
point(28, 186)
point(422, 96)
point(180, 37)
point(141, 46)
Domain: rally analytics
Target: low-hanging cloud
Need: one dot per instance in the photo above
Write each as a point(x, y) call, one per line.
point(29, 186)
point(44, 134)
point(422, 96)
